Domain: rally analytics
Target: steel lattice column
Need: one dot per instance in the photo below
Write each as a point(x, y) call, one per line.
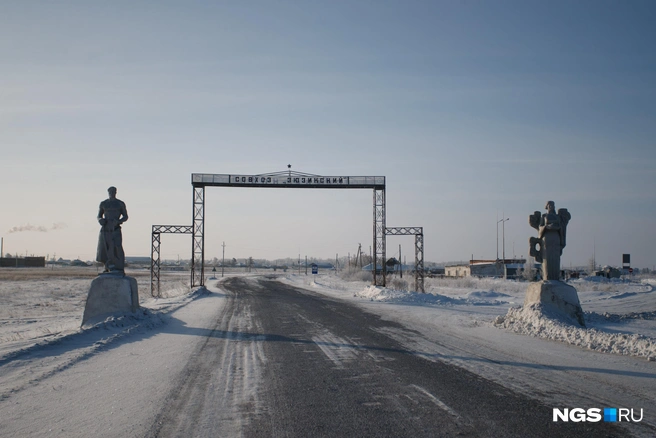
point(419, 261)
point(198, 238)
point(418, 232)
point(154, 263)
point(379, 238)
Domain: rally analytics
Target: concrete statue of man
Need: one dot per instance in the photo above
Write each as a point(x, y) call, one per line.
point(552, 231)
point(111, 214)
point(112, 291)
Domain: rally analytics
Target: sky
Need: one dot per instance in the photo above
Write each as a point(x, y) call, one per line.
point(473, 111)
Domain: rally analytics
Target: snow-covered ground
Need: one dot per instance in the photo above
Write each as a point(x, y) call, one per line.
point(473, 323)
point(43, 305)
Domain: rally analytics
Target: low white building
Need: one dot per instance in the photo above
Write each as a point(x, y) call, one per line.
point(457, 271)
point(482, 268)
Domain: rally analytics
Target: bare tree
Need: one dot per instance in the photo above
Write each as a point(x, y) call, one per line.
point(528, 272)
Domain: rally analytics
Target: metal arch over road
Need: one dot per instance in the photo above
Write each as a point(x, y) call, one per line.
point(286, 179)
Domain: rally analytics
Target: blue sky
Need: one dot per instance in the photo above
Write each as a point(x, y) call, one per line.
point(471, 109)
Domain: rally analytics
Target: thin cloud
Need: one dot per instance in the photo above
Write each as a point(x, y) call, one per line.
point(28, 227)
point(37, 228)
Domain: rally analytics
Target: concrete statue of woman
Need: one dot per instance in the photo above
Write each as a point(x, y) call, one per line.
point(552, 296)
point(552, 231)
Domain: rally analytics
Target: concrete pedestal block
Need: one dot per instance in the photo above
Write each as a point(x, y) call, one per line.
point(108, 294)
point(556, 296)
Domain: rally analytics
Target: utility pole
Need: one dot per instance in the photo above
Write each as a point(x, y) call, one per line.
point(400, 262)
point(223, 260)
point(305, 265)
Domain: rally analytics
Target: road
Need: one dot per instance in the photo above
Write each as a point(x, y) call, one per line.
point(286, 362)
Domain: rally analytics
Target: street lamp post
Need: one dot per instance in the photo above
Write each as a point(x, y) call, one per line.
point(504, 236)
point(503, 220)
point(498, 237)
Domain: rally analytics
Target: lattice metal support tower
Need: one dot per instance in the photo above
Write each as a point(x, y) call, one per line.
point(419, 262)
point(379, 278)
point(418, 232)
point(198, 238)
point(155, 263)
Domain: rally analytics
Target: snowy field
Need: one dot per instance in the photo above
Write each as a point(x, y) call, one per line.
point(473, 323)
point(40, 305)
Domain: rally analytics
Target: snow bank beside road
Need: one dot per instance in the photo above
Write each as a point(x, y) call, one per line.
point(531, 321)
point(377, 293)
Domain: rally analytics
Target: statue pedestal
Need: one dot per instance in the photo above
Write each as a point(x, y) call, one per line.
point(110, 293)
point(557, 297)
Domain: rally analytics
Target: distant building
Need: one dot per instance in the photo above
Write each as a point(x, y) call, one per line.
point(609, 272)
point(395, 269)
point(434, 271)
point(457, 271)
point(507, 268)
point(137, 261)
point(514, 270)
point(26, 262)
